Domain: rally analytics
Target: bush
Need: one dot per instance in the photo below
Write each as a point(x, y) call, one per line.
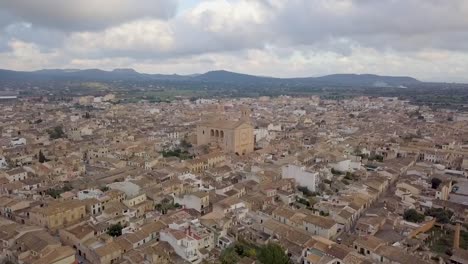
point(56, 132)
point(115, 230)
point(303, 201)
point(441, 215)
point(272, 254)
point(412, 215)
point(305, 191)
point(335, 172)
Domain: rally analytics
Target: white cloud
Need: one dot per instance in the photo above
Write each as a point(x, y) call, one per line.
point(27, 56)
point(145, 36)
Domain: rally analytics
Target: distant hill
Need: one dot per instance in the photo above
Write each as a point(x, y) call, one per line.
point(231, 77)
point(334, 79)
point(220, 76)
point(366, 79)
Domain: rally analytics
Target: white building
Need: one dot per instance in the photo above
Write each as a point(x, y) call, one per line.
point(90, 193)
point(183, 244)
point(198, 201)
point(108, 97)
point(260, 133)
point(346, 166)
point(273, 127)
point(301, 175)
point(18, 141)
point(3, 163)
point(231, 204)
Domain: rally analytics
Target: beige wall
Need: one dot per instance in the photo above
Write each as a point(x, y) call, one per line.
point(238, 140)
point(60, 218)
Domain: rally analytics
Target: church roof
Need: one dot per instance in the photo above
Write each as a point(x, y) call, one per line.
point(223, 124)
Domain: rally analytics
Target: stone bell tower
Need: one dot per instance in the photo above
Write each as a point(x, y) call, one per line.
point(245, 114)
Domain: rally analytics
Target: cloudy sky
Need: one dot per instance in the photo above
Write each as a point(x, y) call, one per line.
point(426, 39)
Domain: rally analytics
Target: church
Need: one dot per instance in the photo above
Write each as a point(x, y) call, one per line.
point(235, 136)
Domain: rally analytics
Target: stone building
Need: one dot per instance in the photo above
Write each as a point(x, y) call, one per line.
point(236, 136)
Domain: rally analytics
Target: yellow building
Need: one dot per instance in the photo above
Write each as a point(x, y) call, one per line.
point(58, 214)
point(205, 162)
point(234, 136)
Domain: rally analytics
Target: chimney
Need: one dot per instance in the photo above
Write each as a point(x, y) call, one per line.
point(456, 237)
point(190, 230)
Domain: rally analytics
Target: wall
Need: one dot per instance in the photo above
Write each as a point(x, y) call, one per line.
point(302, 177)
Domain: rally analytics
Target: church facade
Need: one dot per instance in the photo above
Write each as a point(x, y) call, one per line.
point(232, 136)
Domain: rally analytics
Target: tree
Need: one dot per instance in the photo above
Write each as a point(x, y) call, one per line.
point(67, 187)
point(335, 172)
point(229, 256)
point(272, 254)
point(313, 201)
point(441, 215)
point(305, 191)
point(413, 216)
point(185, 144)
point(42, 158)
point(115, 230)
point(435, 182)
point(56, 132)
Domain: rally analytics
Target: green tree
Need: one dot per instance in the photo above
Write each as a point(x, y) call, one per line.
point(56, 132)
point(272, 254)
point(115, 230)
point(229, 256)
point(441, 215)
point(413, 216)
point(305, 191)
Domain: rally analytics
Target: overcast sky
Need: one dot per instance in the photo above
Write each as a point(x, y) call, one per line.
point(426, 39)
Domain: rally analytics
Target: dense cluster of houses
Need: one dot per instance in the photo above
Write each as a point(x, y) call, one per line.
point(94, 181)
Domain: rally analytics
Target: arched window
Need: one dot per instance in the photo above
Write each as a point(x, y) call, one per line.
point(222, 134)
point(212, 133)
point(217, 133)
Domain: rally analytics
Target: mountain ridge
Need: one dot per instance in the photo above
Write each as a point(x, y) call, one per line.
point(216, 76)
